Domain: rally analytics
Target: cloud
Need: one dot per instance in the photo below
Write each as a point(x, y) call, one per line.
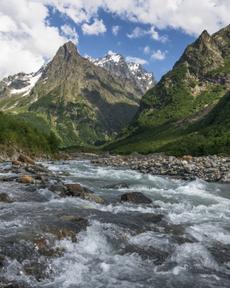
point(158, 55)
point(147, 50)
point(136, 60)
point(191, 16)
point(139, 32)
point(156, 36)
point(70, 33)
point(115, 30)
point(96, 28)
point(26, 39)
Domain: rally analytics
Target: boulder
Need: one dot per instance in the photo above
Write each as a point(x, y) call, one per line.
point(16, 163)
point(76, 190)
point(26, 159)
point(5, 198)
point(135, 197)
point(187, 158)
point(26, 179)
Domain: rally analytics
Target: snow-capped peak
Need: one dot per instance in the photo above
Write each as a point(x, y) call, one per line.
point(117, 65)
point(22, 83)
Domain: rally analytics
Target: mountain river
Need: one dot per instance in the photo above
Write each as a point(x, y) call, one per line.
point(181, 240)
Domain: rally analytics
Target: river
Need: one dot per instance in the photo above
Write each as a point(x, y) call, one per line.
point(181, 240)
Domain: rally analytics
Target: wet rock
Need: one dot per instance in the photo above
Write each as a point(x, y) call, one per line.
point(16, 163)
point(58, 188)
point(2, 260)
point(26, 159)
point(76, 190)
point(45, 246)
point(157, 256)
point(221, 253)
point(38, 270)
point(92, 197)
point(5, 198)
point(12, 284)
point(8, 178)
point(67, 226)
point(135, 197)
point(26, 179)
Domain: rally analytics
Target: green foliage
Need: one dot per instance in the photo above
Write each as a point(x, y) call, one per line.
point(28, 133)
point(170, 100)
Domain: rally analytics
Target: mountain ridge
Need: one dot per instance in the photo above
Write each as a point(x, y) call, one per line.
point(84, 103)
point(181, 101)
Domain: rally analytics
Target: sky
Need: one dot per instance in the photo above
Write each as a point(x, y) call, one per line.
point(151, 32)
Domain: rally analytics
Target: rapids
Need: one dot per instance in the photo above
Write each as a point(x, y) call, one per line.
point(182, 240)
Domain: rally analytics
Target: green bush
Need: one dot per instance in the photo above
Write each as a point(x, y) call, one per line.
point(27, 133)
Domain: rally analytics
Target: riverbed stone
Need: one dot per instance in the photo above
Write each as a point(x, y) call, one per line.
point(26, 179)
point(76, 190)
point(5, 198)
point(135, 197)
point(26, 159)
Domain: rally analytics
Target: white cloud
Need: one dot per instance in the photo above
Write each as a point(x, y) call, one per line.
point(136, 60)
point(158, 55)
point(147, 50)
point(26, 40)
point(115, 30)
point(156, 36)
point(96, 28)
point(70, 33)
point(139, 32)
point(192, 16)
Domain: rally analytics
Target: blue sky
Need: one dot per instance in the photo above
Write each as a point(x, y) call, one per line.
point(153, 32)
point(98, 45)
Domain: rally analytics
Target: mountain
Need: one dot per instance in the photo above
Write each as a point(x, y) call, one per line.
point(180, 105)
point(127, 71)
point(82, 102)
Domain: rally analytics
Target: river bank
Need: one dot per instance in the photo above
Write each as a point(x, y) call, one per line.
point(208, 168)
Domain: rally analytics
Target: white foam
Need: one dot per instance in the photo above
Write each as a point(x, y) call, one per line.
point(93, 262)
point(195, 255)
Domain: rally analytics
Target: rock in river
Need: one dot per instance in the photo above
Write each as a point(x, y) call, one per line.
point(76, 190)
point(26, 179)
point(135, 197)
point(5, 198)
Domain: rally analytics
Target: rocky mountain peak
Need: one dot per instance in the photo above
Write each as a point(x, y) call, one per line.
point(67, 51)
point(117, 65)
point(202, 56)
point(204, 36)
